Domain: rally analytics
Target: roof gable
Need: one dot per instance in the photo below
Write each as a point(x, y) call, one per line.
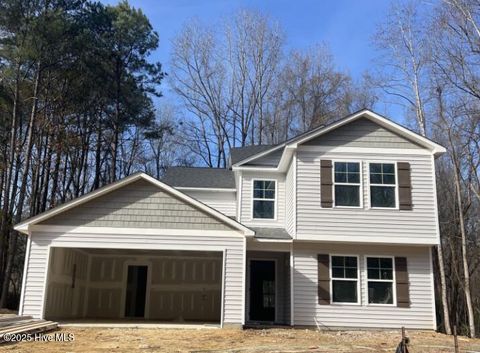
point(137, 205)
point(388, 124)
point(363, 132)
point(137, 201)
point(398, 129)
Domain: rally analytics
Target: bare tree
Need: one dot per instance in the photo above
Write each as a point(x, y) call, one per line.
point(199, 77)
point(165, 141)
point(239, 89)
point(454, 60)
point(404, 63)
point(253, 53)
point(314, 88)
point(224, 74)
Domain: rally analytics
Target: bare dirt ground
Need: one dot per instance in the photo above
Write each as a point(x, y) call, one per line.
point(248, 341)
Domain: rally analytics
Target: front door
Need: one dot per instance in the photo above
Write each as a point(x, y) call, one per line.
point(136, 291)
point(262, 290)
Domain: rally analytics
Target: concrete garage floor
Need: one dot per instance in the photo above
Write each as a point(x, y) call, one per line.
point(244, 341)
point(137, 324)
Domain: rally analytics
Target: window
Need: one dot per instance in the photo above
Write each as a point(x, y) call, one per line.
point(264, 199)
point(383, 185)
point(347, 184)
point(344, 279)
point(380, 280)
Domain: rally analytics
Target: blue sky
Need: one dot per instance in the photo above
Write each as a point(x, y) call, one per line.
point(347, 26)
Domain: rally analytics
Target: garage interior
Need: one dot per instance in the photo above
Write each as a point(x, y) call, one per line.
point(146, 285)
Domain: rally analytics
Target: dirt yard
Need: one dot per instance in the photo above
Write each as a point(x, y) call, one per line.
point(251, 341)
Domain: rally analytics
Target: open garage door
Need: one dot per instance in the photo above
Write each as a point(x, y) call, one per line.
point(170, 286)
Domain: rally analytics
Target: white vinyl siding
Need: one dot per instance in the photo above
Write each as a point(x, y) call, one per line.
point(232, 245)
point(247, 200)
point(224, 202)
point(365, 224)
point(307, 311)
point(290, 198)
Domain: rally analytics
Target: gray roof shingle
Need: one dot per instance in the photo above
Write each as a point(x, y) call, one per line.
point(196, 177)
point(238, 154)
point(271, 233)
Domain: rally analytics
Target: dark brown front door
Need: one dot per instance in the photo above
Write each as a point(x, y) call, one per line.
point(262, 290)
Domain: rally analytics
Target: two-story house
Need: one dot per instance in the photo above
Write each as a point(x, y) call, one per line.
point(333, 228)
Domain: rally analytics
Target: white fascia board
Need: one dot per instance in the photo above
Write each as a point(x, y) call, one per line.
point(24, 226)
point(45, 228)
point(269, 240)
point(187, 188)
point(365, 150)
point(256, 169)
point(286, 157)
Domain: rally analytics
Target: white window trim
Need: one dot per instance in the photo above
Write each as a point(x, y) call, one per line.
point(360, 184)
point(359, 294)
point(393, 280)
point(397, 206)
point(274, 219)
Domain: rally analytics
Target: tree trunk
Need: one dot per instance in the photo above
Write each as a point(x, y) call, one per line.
point(441, 263)
point(22, 191)
point(98, 152)
point(5, 219)
point(466, 271)
point(443, 289)
point(113, 172)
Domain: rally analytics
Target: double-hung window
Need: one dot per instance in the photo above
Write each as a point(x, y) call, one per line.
point(344, 279)
point(383, 185)
point(380, 280)
point(347, 184)
point(264, 199)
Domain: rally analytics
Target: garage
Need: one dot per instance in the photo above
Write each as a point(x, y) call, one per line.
point(131, 284)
